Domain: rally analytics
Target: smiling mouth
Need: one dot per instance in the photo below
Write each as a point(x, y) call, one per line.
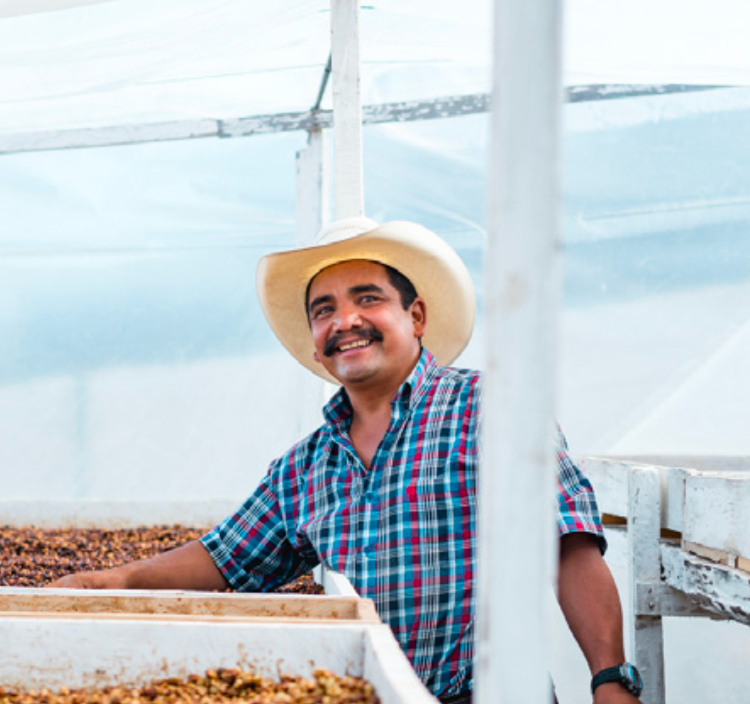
point(365, 339)
point(354, 345)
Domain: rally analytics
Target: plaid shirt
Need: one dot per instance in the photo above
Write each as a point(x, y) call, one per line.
point(403, 532)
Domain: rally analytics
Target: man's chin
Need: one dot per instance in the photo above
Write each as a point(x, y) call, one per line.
point(350, 374)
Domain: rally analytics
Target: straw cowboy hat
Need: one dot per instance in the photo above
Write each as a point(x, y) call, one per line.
point(436, 271)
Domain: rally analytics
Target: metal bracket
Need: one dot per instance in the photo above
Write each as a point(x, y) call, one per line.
point(658, 599)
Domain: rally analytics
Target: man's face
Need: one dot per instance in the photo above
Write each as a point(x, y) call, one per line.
point(361, 332)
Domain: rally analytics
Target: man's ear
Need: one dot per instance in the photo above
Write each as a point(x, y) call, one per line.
point(419, 316)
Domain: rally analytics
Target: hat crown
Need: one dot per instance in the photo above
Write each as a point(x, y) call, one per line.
point(344, 229)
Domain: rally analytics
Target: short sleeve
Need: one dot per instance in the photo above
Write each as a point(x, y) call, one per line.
point(251, 547)
point(577, 511)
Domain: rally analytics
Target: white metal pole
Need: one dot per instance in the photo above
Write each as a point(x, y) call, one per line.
point(516, 529)
point(312, 214)
point(312, 188)
point(347, 109)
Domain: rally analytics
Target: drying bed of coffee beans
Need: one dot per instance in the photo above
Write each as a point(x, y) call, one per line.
point(34, 557)
point(220, 686)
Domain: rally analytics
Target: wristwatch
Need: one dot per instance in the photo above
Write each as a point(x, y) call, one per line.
point(624, 673)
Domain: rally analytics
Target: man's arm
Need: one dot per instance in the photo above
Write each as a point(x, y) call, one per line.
point(589, 600)
point(187, 567)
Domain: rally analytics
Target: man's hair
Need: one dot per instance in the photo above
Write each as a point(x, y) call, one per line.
point(405, 288)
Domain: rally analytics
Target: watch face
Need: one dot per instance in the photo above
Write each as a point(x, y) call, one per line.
point(631, 678)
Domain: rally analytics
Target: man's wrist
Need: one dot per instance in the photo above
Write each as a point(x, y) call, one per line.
point(121, 577)
point(624, 675)
point(614, 693)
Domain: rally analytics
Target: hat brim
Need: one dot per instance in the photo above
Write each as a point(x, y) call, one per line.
point(436, 271)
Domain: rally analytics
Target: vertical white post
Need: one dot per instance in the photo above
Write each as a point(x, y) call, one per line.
point(347, 109)
point(312, 214)
point(312, 188)
point(516, 528)
point(644, 532)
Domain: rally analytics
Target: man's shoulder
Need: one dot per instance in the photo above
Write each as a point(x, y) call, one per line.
point(454, 387)
point(458, 375)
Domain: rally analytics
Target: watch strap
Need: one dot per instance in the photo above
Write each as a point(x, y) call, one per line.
point(625, 674)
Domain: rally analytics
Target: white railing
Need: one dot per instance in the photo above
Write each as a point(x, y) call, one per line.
point(688, 531)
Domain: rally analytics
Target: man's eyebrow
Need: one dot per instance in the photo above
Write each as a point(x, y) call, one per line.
point(365, 288)
point(325, 298)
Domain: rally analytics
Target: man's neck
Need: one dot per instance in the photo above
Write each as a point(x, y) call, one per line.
point(372, 399)
point(371, 402)
point(371, 414)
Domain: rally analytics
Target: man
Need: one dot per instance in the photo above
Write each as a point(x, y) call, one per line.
point(385, 490)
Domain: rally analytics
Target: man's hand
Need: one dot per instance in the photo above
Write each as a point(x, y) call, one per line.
point(101, 579)
point(613, 693)
point(187, 567)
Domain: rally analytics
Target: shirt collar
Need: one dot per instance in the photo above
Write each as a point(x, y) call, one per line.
point(338, 410)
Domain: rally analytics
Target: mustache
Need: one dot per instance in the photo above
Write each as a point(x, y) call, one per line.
point(369, 334)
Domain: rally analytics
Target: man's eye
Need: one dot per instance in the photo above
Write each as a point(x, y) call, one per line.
point(368, 299)
point(320, 311)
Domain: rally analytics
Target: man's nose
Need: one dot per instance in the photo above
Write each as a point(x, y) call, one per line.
point(348, 317)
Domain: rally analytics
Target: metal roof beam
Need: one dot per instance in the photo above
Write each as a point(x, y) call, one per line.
point(406, 111)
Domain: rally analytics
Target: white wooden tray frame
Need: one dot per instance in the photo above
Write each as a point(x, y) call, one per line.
point(55, 637)
point(87, 651)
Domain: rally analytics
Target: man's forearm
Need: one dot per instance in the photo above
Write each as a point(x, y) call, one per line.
point(588, 597)
point(187, 567)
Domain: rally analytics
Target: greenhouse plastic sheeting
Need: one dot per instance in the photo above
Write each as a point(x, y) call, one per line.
point(134, 359)
point(131, 61)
